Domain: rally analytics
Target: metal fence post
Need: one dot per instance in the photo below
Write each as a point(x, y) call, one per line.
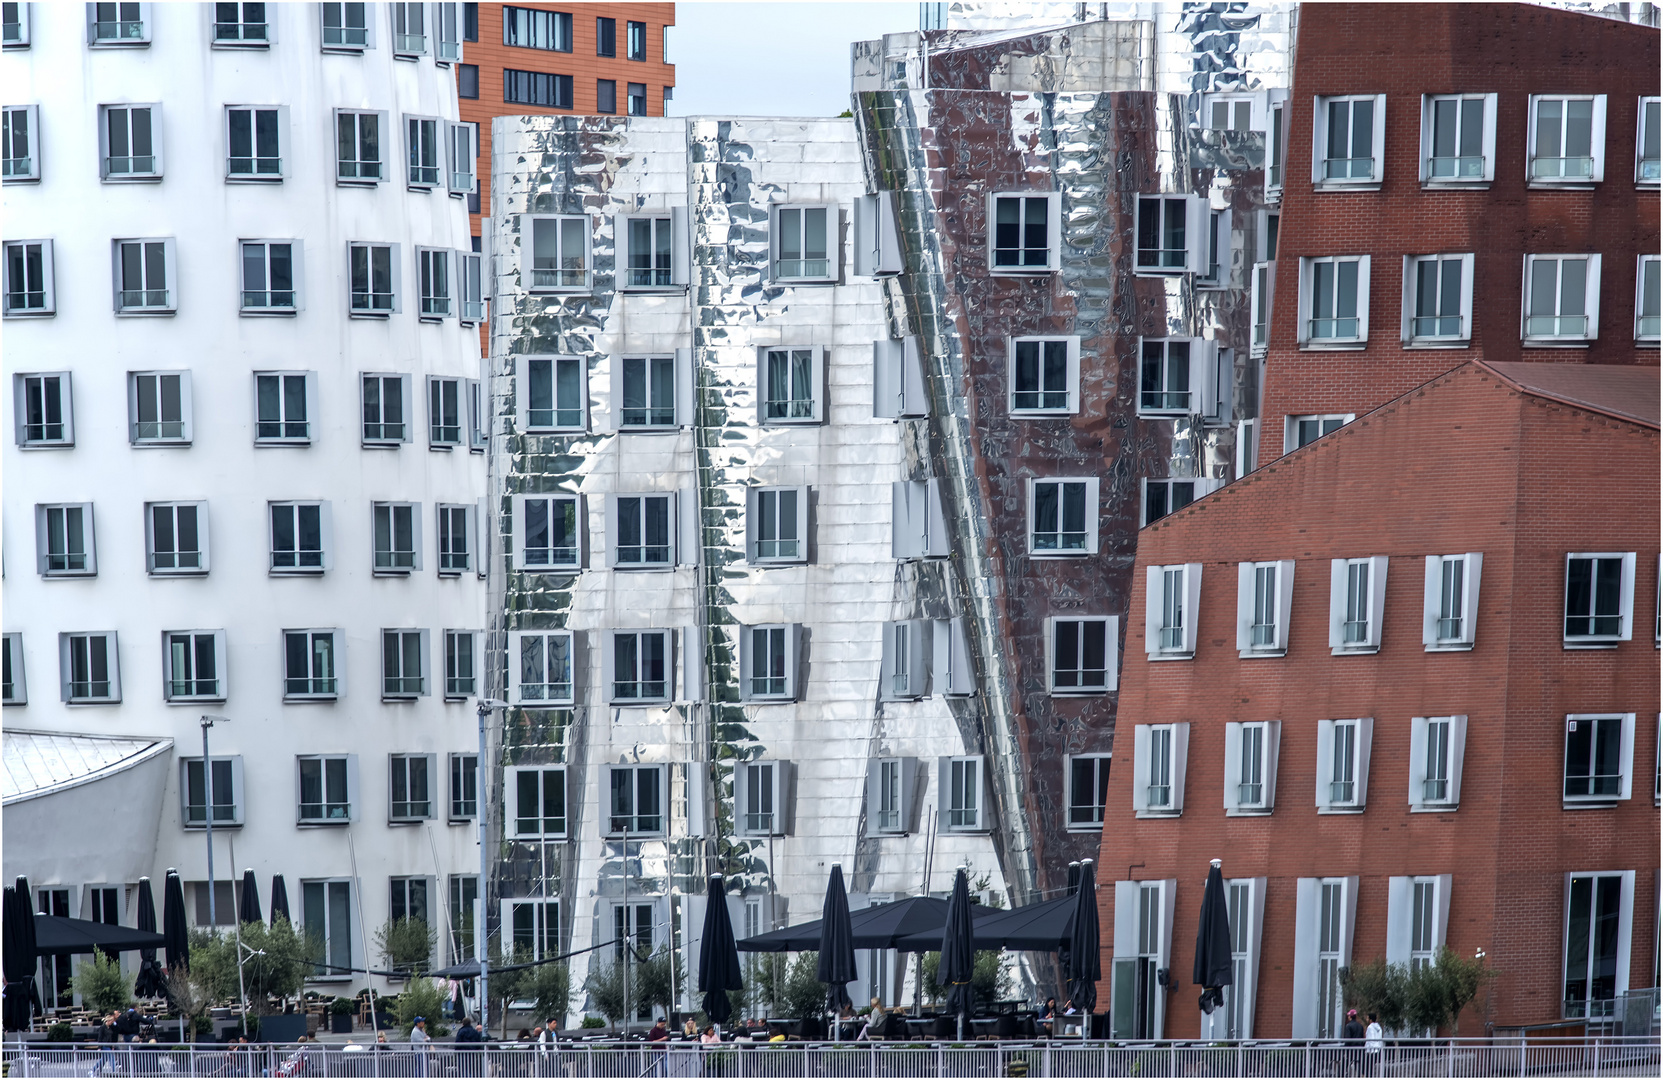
point(1596, 1057)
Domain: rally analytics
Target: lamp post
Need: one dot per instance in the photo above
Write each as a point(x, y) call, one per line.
point(483, 805)
point(208, 721)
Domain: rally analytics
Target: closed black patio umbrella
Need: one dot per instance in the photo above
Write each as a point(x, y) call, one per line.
point(174, 929)
point(1085, 961)
point(1073, 878)
point(279, 899)
point(26, 942)
point(248, 902)
point(149, 982)
point(836, 967)
point(718, 958)
point(19, 965)
point(1213, 967)
point(958, 953)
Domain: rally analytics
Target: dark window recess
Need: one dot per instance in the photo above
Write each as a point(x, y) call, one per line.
point(606, 96)
point(470, 22)
point(637, 99)
point(606, 37)
point(532, 28)
point(637, 41)
point(467, 81)
point(536, 88)
point(473, 208)
point(476, 243)
point(1167, 497)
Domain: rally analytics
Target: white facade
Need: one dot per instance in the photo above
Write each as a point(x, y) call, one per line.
point(201, 209)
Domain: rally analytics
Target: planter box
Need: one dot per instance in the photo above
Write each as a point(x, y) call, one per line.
point(283, 1027)
point(340, 1023)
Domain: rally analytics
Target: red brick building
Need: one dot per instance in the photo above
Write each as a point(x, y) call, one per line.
point(1404, 683)
point(1460, 181)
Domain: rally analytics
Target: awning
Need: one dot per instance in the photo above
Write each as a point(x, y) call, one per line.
point(881, 926)
point(1042, 927)
point(56, 936)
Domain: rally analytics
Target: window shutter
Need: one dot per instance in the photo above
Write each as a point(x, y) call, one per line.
point(943, 789)
point(416, 535)
point(1140, 768)
point(1093, 513)
point(1336, 604)
point(793, 659)
point(918, 650)
point(1307, 899)
point(1592, 287)
point(1246, 581)
point(935, 545)
point(889, 234)
point(1400, 907)
point(1192, 604)
point(609, 653)
point(689, 532)
point(1418, 737)
point(1198, 220)
point(1232, 762)
point(1365, 737)
point(686, 388)
point(1626, 598)
point(1467, 262)
point(1284, 602)
point(1325, 764)
point(697, 799)
point(1440, 929)
point(1152, 610)
point(886, 674)
point(1273, 751)
point(353, 790)
point(480, 521)
point(1626, 754)
point(681, 247)
point(903, 536)
point(752, 512)
point(886, 378)
point(1053, 222)
point(1597, 143)
point(909, 794)
point(1378, 150)
point(1126, 919)
point(1434, 601)
point(1211, 397)
point(804, 495)
point(1180, 759)
point(865, 241)
point(1377, 598)
point(692, 664)
point(873, 787)
point(1457, 755)
point(913, 400)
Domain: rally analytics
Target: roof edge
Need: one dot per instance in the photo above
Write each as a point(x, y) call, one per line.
point(163, 744)
point(1566, 399)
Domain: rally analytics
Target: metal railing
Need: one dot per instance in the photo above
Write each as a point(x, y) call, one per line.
point(1497, 1057)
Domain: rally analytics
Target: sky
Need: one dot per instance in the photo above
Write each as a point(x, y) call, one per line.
point(772, 58)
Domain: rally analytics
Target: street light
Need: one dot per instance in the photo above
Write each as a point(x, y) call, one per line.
point(483, 792)
point(208, 721)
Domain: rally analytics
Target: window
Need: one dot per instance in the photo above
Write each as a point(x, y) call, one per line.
point(373, 284)
point(554, 393)
point(1451, 621)
point(1334, 301)
point(409, 29)
point(253, 142)
point(1648, 311)
point(1357, 598)
point(1348, 141)
point(384, 410)
point(1214, 270)
point(444, 413)
point(760, 789)
point(1437, 300)
point(1245, 904)
point(269, 278)
point(1167, 496)
point(1417, 918)
point(1230, 114)
point(14, 25)
point(29, 288)
point(1171, 608)
point(409, 787)
point(638, 665)
point(918, 528)
point(537, 801)
point(281, 407)
point(1561, 301)
point(647, 391)
point(446, 45)
point(1025, 232)
point(1648, 158)
point(635, 803)
point(1599, 600)
point(64, 540)
point(1088, 790)
point(1437, 748)
point(298, 534)
point(143, 274)
point(459, 664)
point(768, 662)
point(1165, 383)
point(535, 928)
point(1599, 911)
point(118, 24)
point(456, 526)
point(962, 794)
point(1599, 758)
point(536, 88)
point(19, 142)
point(241, 25)
point(1304, 430)
point(877, 237)
point(358, 155)
point(1567, 140)
point(1276, 150)
point(1250, 754)
point(559, 253)
point(1172, 234)
point(951, 672)
point(890, 792)
point(541, 667)
point(1084, 655)
point(1062, 516)
point(326, 906)
point(1343, 765)
point(89, 668)
point(802, 242)
point(907, 650)
point(471, 286)
point(16, 687)
point(1325, 919)
point(464, 892)
point(1458, 139)
point(403, 663)
point(132, 147)
point(606, 37)
point(193, 665)
point(637, 41)
point(421, 143)
point(1044, 375)
point(467, 82)
point(898, 379)
point(227, 776)
point(1264, 600)
point(45, 415)
point(345, 28)
point(793, 384)
point(637, 99)
point(397, 537)
point(311, 671)
point(407, 899)
point(606, 96)
point(462, 148)
point(529, 28)
point(632, 930)
point(644, 530)
point(434, 266)
point(1264, 290)
point(176, 538)
point(1142, 950)
point(551, 532)
point(219, 911)
point(464, 787)
point(776, 524)
point(1160, 756)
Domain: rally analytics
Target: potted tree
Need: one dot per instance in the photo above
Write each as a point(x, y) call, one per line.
point(340, 1015)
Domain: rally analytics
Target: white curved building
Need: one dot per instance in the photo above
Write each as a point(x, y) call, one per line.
point(241, 356)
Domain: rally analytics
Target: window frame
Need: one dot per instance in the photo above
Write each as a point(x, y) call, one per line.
point(89, 541)
point(918, 525)
point(580, 528)
point(1432, 629)
point(560, 29)
point(1486, 173)
point(559, 87)
point(952, 670)
point(349, 781)
point(898, 384)
point(1590, 302)
point(107, 174)
point(134, 437)
point(1158, 643)
point(461, 541)
point(1196, 363)
point(417, 127)
point(405, 403)
point(454, 651)
point(470, 287)
point(112, 667)
point(1053, 233)
point(437, 430)
point(948, 784)
point(614, 531)
point(309, 381)
point(447, 34)
point(1411, 338)
point(367, 30)
point(609, 673)
point(609, 820)
point(1262, 292)
point(875, 234)
point(1201, 487)
point(316, 689)
point(1277, 108)
point(1625, 761)
point(1597, 116)
point(1647, 335)
point(66, 410)
point(1175, 746)
point(402, 692)
point(1625, 602)
point(325, 537)
point(1111, 656)
point(908, 649)
point(512, 819)
point(1362, 744)
point(576, 663)
point(563, 279)
point(461, 165)
point(904, 788)
point(1216, 269)
point(383, 120)
point(458, 807)
point(395, 302)
point(170, 276)
point(296, 278)
point(432, 264)
point(234, 818)
point(411, 557)
point(404, 45)
point(1291, 422)
point(523, 405)
point(429, 763)
point(221, 681)
point(1641, 177)
point(746, 785)
point(1092, 498)
point(816, 378)
point(1454, 752)
point(1339, 605)
point(1307, 302)
point(1624, 936)
point(632, 29)
point(754, 496)
point(31, 136)
point(791, 637)
point(1247, 609)
point(1098, 807)
point(49, 298)
point(17, 684)
point(23, 37)
point(834, 244)
point(202, 552)
point(139, 38)
point(1319, 140)
point(232, 176)
point(1196, 218)
point(1071, 391)
point(240, 41)
point(1269, 750)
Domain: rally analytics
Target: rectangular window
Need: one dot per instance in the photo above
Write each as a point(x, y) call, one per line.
point(1264, 286)
point(409, 789)
point(464, 788)
point(14, 25)
point(326, 907)
point(559, 253)
point(45, 416)
point(467, 82)
point(384, 410)
point(536, 88)
point(253, 142)
point(297, 537)
point(1598, 911)
point(542, 666)
point(409, 29)
point(652, 244)
point(1451, 618)
point(1088, 790)
point(421, 142)
point(1561, 297)
point(1648, 157)
point(19, 143)
point(606, 96)
point(550, 536)
point(470, 273)
point(311, 671)
point(1358, 593)
point(1025, 232)
point(791, 378)
point(1165, 383)
point(1264, 599)
point(759, 790)
point(1567, 139)
point(1342, 764)
point(644, 524)
point(131, 142)
point(1276, 150)
point(159, 408)
point(1437, 747)
point(268, 277)
point(1173, 595)
point(447, 46)
point(16, 688)
point(1347, 141)
point(888, 811)
point(65, 540)
point(1045, 375)
point(345, 27)
point(373, 284)
point(89, 668)
point(537, 802)
point(176, 536)
point(637, 41)
point(1458, 138)
point(1250, 752)
point(637, 99)
point(1230, 114)
point(1062, 516)
point(464, 888)
point(1214, 270)
point(358, 154)
point(777, 520)
point(403, 663)
point(606, 37)
point(1331, 958)
point(1599, 599)
point(29, 288)
point(456, 526)
point(143, 277)
point(1170, 495)
point(1599, 753)
point(397, 537)
point(1171, 234)
point(961, 792)
point(281, 407)
point(1305, 430)
point(768, 662)
point(1159, 773)
point(1438, 299)
point(459, 664)
point(435, 292)
point(194, 665)
point(1648, 311)
point(802, 239)
point(554, 393)
point(1334, 300)
point(907, 651)
point(462, 150)
point(118, 24)
point(444, 412)
point(530, 28)
point(918, 526)
point(635, 803)
point(241, 25)
point(535, 927)
point(408, 899)
point(1082, 655)
point(640, 663)
point(1423, 923)
point(226, 774)
point(649, 392)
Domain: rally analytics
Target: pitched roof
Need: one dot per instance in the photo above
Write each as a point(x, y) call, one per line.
point(41, 762)
point(1625, 391)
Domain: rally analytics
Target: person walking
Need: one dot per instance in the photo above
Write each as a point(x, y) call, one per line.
point(1374, 1045)
point(1353, 1036)
point(108, 1036)
point(470, 1048)
point(419, 1039)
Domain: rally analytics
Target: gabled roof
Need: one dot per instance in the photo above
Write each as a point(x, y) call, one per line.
point(1625, 391)
point(42, 762)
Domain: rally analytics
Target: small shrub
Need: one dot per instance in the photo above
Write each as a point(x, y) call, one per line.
point(60, 1033)
point(588, 1022)
point(102, 985)
point(424, 998)
point(343, 1006)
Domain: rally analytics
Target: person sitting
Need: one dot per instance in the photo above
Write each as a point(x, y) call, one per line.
point(1048, 1015)
point(658, 1033)
point(710, 1038)
point(876, 1022)
point(690, 1029)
